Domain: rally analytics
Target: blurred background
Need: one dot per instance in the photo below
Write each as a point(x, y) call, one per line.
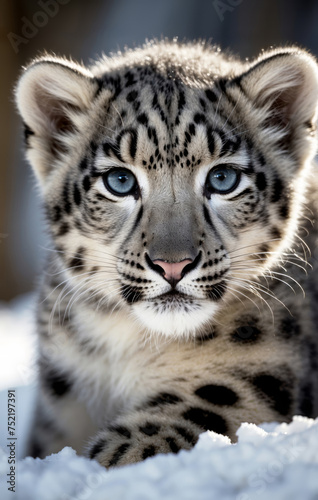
point(83, 29)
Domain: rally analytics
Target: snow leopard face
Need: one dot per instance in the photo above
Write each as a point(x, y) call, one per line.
point(170, 183)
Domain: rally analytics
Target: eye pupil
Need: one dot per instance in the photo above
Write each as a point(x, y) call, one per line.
point(122, 178)
point(120, 182)
point(220, 176)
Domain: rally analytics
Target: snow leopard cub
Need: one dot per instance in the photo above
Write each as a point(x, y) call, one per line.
point(173, 180)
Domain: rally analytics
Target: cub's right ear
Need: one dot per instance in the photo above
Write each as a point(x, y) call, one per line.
point(53, 96)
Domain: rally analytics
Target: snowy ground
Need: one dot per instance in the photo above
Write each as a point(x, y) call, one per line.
point(276, 462)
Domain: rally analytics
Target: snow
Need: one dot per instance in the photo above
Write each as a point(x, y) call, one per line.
point(272, 461)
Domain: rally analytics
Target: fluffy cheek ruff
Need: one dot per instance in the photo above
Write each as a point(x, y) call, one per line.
point(175, 319)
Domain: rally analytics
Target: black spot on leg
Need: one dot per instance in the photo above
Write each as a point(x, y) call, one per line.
point(149, 429)
point(217, 394)
point(121, 430)
point(150, 451)
point(97, 448)
point(164, 398)
point(186, 434)
point(174, 447)
point(207, 420)
point(276, 392)
point(121, 450)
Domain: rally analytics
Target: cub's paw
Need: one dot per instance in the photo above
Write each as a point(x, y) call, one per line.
point(140, 437)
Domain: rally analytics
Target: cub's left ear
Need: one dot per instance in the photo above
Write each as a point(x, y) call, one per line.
point(52, 96)
point(283, 85)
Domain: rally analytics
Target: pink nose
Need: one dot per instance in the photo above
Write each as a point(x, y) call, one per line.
point(172, 270)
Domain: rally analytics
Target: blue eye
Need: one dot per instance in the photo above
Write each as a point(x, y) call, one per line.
point(120, 182)
point(223, 179)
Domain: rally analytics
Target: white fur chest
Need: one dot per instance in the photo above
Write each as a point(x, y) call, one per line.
point(114, 374)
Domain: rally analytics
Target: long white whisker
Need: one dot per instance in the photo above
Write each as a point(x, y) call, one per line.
point(253, 287)
point(244, 295)
point(267, 276)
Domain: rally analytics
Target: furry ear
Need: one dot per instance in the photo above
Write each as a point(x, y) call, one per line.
point(50, 95)
point(283, 84)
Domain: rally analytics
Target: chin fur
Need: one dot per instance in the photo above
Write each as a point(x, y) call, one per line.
point(174, 320)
